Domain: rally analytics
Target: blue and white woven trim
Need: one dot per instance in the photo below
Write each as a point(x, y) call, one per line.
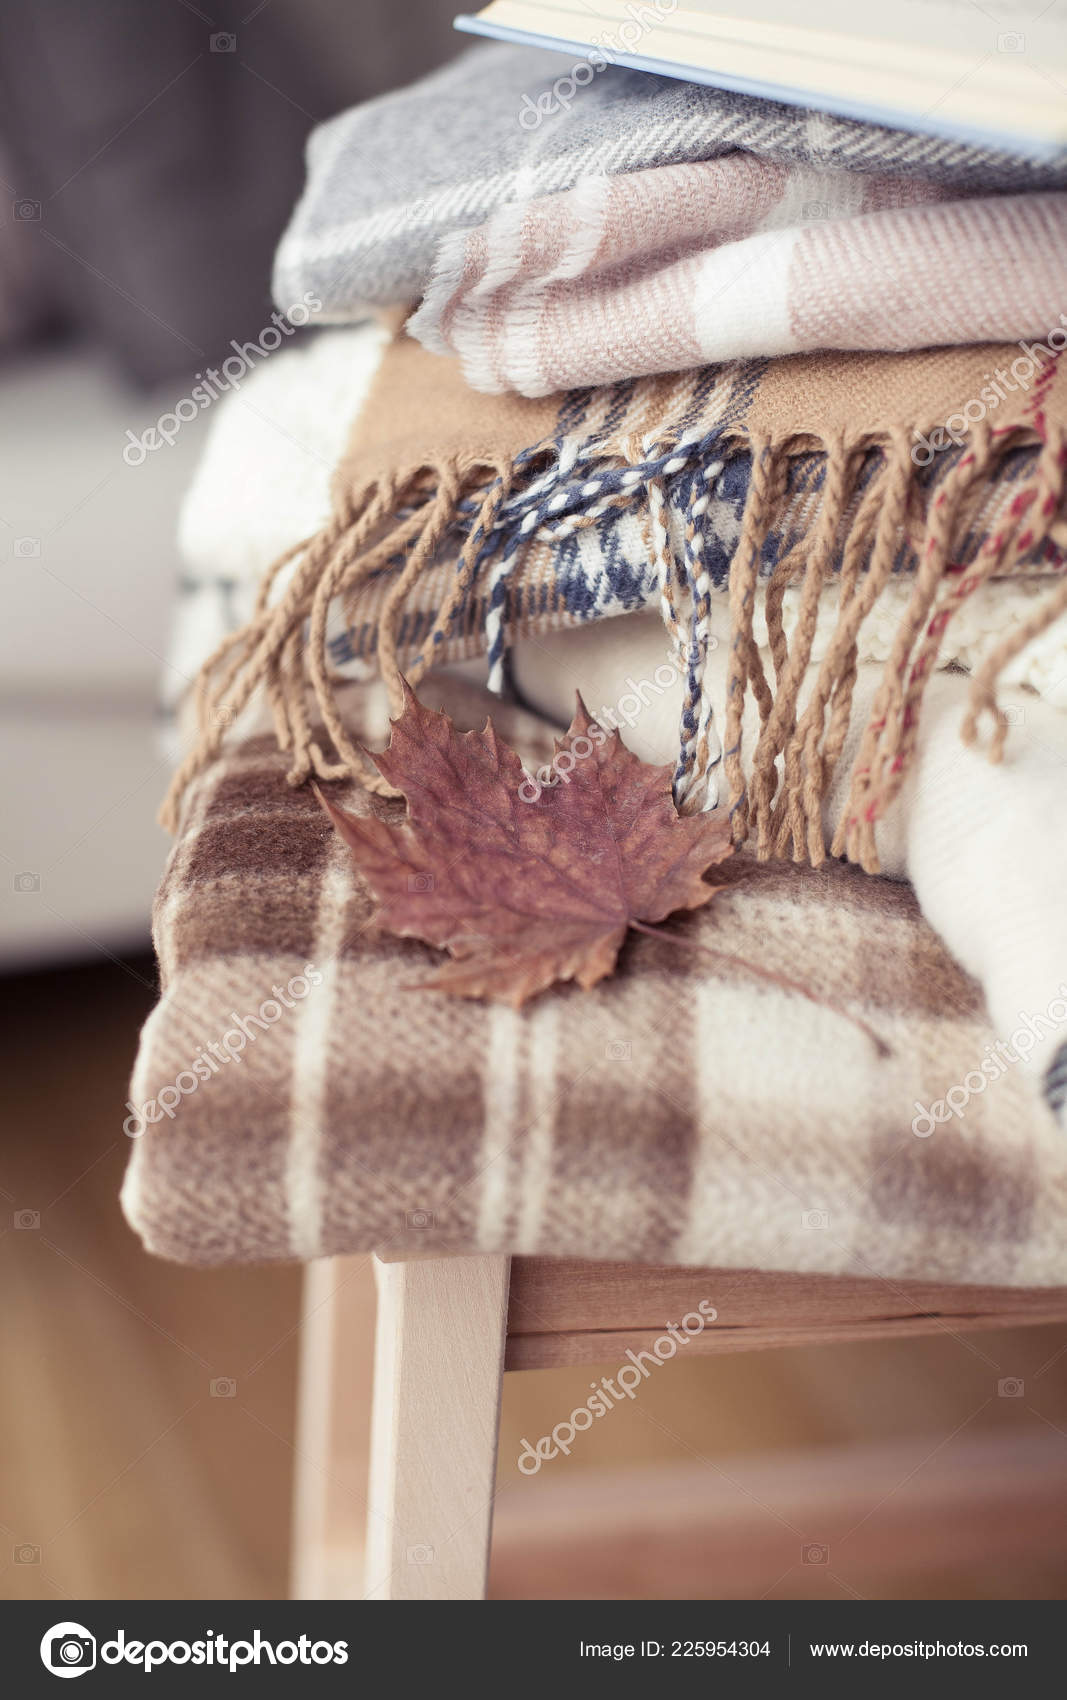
point(1055, 1084)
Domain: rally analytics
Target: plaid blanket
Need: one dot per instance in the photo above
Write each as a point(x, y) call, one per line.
point(387, 179)
point(294, 1098)
point(656, 271)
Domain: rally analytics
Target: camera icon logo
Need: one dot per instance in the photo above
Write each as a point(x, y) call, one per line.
point(26, 1554)
point(1010, 41)
point(421, 1554)
point(223, 1387)
point(618, 1050)
point(27, 1219)
point(224, 42)
point(26, 882)
point(68, 1649)
point(815, 1553)
point(815, 209)
point(420, 882)
point(27, 548)
point(29, 211)
point(816, 1218)
point(420, 1219)
point(1010, 1387)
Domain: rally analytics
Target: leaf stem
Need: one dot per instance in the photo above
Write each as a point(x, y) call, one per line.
point(775, 979)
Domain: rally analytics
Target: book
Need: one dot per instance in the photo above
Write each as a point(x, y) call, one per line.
point(995, 75)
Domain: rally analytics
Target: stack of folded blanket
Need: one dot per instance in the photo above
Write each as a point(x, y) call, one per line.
point(750, 417)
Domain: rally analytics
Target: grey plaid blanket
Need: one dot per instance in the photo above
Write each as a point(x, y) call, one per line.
point(387, 179)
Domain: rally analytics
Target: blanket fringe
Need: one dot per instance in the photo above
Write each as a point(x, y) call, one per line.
point(864, 517)
point(283, 648)
point(781, 803)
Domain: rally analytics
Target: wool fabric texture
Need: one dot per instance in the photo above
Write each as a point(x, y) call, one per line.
point(603, 1125)
point(429, 460)
point(263, 484)
point(387, 179)
point(982, 845)
point(657, 271)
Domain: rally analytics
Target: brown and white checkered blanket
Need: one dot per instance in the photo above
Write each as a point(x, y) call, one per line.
point(294, 1097)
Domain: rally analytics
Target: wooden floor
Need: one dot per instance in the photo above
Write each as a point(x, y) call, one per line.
point(134, 1478)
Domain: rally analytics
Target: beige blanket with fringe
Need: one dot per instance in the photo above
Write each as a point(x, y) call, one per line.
point(449, 504)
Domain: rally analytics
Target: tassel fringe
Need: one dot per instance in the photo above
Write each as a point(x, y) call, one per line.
point(547, 494)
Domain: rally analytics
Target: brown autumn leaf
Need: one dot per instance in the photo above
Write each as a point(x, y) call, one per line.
point(526, 893)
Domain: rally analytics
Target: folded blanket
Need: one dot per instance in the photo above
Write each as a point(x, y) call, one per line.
point(659, 270)
point(637, 1121)
point(389, 178)
point(514, 478)
point(263, 484)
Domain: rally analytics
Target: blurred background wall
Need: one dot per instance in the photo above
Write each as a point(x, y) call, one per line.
point(150, 152)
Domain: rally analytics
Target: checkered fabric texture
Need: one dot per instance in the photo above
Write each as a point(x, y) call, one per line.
point(388, 178)
point(683, 1112)
point(657, 271)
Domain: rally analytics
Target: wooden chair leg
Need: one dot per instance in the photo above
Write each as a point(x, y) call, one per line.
point(438, 1372)
point(333, 1429)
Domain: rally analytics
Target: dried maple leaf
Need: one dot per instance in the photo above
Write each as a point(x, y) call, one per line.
point(526, 893)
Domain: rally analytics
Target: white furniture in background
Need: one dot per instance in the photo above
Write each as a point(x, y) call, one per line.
point(89, 568)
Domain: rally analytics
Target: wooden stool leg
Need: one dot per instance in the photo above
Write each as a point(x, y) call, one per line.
point(333, 1429)
point(438, 1371)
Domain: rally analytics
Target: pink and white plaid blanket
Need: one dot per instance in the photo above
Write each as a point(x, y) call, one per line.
point(738, 257)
